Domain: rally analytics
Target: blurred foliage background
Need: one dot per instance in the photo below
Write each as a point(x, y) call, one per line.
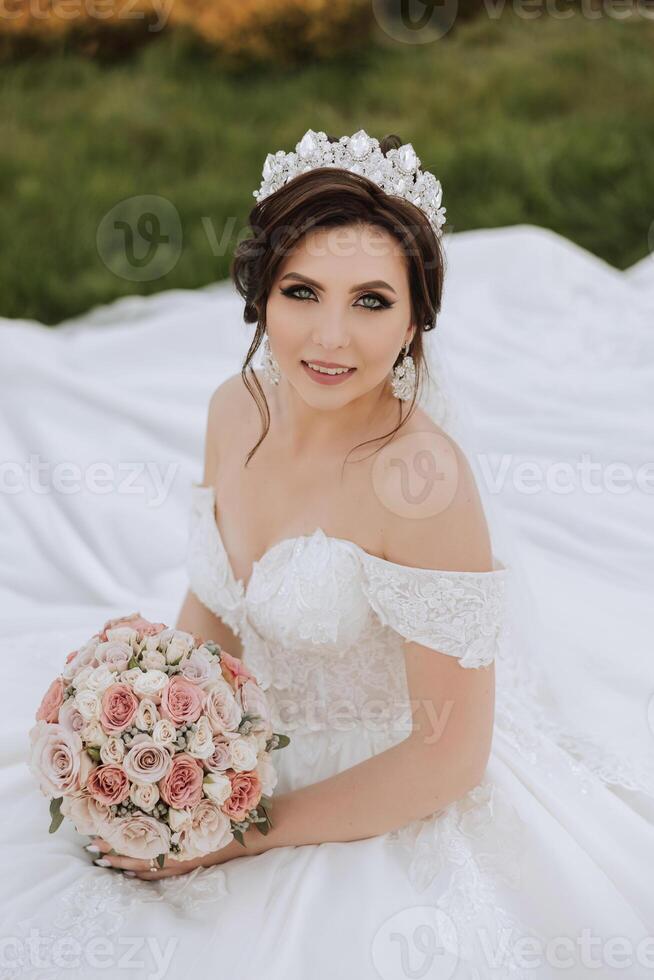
point(547, 120)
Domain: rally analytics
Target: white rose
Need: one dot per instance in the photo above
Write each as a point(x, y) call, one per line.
point(222, 710)
point(178, 819)
point(200, 668)
point(131, 676)
point(267, 774)
point(199, 743)
point(243, 753)
point(146, 715)
point(85, 657)
point(88, 704)
point(151, 684)
point(217, 787)
point(124, 633)
point(152, 644)
point(144, 795)
point(81, 677)
point(179, 644)
point(153, 660)
point(114, 653)
point(94, 734)
point(112, 751)
point(100, 679)
point(164, 732)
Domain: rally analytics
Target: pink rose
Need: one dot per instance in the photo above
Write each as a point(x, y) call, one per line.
point(52, 701)
point(147, 762)
point(70, 717)
point(236, 667)
point(73, 653)
point(108, 784)
point(208, 830)
point(119, 705)
point(254, 702)
point(55, 758)
point(181, 701)
point(182, 787)
point(138, 836)
point(136, 622)
point(222, 756)
point(246, 793)
point(89, 816)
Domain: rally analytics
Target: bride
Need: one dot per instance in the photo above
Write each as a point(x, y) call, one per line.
point(426, 821)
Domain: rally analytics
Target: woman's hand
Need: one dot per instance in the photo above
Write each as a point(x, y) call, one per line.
point(137, 868)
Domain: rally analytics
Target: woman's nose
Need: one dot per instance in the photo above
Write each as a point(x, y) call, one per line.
point(332, 333)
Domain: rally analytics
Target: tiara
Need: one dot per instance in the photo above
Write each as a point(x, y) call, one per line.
point(397, 172)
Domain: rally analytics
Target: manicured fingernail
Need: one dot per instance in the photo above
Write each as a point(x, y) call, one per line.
point(93, 848)
point(102, 862)
point(130, 874)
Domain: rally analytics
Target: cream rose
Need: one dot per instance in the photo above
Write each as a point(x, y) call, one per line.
point(89, 816)
point(200, 668)
point(179, 643)
point(113, 750)
point(55, 758)
point(94, 734)
point(151, 684)
point(145, 795)
point(139, 836)
point(147, 762)
point(164, 732)
point(209, 830)
point(199, 743)
point(243, 753)
point(114, 653)
point(100, 679)
point(221, 708)
point(267, 774)
point(153, 660)
point(178, 819)
point(147, 715)
point(88, 704)
point(217, 787)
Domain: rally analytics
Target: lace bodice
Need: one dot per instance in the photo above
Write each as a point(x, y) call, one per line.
point(323, 622)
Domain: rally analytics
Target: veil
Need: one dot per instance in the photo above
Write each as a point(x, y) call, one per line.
point(528, 710)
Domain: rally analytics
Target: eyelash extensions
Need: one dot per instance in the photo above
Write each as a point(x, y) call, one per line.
point(385, 305)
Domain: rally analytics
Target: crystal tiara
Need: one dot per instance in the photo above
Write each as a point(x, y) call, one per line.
point(396, 172)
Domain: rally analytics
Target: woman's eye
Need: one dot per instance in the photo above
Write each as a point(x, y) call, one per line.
point(380, 302)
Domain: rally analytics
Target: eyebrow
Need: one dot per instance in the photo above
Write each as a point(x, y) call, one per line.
point(373, 284)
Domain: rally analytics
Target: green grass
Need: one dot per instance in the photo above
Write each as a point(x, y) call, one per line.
point(544, 121)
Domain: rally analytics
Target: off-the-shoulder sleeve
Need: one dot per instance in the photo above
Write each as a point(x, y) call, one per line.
point(457, 613)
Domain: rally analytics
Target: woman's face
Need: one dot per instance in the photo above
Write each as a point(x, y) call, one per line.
point(341, 297)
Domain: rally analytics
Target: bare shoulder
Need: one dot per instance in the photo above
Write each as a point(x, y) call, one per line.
point(434, 516)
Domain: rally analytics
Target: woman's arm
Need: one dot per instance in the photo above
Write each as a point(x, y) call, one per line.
point(439, 762)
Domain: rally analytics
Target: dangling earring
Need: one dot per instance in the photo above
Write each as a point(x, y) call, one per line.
point(269, 364)
point(404, 376)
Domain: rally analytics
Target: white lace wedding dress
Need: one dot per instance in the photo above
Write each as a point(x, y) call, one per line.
point(538, 872)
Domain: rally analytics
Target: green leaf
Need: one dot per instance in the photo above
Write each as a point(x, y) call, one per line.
point(56, 814)
point(160, 860)
point(283, 740)
point(238, 834)
point(94, 752)
point(132, 663)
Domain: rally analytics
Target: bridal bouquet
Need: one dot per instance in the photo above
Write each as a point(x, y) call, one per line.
point(157, 742)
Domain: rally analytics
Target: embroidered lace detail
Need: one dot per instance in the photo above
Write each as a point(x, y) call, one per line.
point(471, 846)
point(99, 903)
point(458, 613)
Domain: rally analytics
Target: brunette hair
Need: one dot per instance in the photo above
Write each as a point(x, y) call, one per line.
point(326, 197)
